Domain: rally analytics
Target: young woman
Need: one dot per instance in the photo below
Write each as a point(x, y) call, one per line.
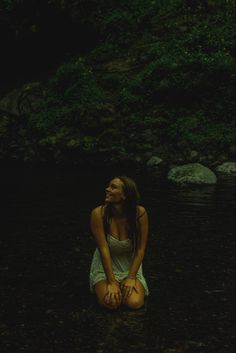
point(120, 228)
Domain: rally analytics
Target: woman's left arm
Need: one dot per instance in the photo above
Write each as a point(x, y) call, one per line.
point(129, 283)
point(141, 242)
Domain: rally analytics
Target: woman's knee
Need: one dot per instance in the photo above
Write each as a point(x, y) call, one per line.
point(134, 303)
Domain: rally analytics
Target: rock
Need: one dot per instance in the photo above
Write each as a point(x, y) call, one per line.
point(226, 168)
point(4, 122)
point(210, 158)
point(138, 159)
point(26, 99)
point(193, 156)
point(9, 103)
point(192, 173)
point(154, 162)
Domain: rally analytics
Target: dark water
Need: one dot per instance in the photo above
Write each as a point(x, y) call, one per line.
point(46, 249)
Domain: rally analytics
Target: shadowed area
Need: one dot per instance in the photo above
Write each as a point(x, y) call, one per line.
point(46, 249)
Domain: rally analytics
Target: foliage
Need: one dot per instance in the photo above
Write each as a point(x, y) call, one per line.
point(191, 80)
point(161, 73)
point(197, 132)
point(72, 94)
point(8, 5)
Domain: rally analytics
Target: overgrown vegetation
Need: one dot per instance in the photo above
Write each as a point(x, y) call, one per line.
point(160, 79)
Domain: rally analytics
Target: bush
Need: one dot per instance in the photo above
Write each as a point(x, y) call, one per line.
point(72, 94)
point(197, 132)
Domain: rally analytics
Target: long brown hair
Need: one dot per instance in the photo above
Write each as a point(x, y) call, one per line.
point(132, 198)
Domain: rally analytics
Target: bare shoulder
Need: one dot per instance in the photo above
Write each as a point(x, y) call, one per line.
point(97, 212)
point(141, 211)
point(97, 209)
point(96, 223)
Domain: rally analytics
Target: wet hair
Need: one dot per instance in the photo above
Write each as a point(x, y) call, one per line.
point(132, 198)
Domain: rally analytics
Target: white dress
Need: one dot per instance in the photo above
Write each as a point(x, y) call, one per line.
point(122, 256)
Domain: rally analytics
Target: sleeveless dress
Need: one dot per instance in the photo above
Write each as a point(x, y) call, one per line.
point(122, 256)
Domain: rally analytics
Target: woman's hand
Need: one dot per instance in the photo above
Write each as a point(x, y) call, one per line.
point(113, 295)
point(127, 286)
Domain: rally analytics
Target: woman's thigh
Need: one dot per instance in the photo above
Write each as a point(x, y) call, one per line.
point(136, 299)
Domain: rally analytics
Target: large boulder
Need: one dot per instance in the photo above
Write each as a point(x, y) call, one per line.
point(193, 173)
point(226, 168)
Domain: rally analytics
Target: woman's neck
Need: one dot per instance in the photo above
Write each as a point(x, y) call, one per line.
point(118, 210)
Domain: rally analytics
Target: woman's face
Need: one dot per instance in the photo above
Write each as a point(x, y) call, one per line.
point(114, 191)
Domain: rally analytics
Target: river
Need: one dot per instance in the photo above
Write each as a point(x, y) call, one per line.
point(46, 249)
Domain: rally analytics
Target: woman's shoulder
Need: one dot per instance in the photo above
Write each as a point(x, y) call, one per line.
point(141, 211)
point(97, 211)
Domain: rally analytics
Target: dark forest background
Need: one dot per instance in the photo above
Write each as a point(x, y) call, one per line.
point(109, 81)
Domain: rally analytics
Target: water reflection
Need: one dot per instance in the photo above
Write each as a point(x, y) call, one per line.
point(47, 249)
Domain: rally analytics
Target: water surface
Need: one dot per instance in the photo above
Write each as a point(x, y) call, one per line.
point(46, 249)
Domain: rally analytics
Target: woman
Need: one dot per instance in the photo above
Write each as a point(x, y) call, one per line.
point(120, 228)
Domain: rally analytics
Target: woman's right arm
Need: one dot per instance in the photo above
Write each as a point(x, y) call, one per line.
point(97, 228)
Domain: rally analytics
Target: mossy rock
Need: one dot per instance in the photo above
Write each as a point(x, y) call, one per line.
point(227, 168)
point(193, 173)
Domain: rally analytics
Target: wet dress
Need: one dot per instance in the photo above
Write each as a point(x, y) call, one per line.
point(122, 257)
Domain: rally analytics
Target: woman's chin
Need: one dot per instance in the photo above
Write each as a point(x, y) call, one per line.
point(108, 200)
